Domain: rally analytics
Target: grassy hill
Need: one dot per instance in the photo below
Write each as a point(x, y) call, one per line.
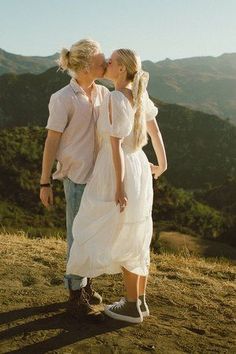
point(203, 83)
point(19, 64)
point(191, 301)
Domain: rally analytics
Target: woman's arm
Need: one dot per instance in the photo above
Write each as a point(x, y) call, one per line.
point(119, 165)
point(158, 146)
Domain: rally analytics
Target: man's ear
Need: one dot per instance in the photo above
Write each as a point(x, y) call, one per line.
point(122, 68)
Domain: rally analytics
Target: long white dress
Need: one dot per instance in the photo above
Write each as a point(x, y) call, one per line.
point(105, 239)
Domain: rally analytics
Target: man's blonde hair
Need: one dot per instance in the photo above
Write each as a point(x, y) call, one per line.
point(79, 56)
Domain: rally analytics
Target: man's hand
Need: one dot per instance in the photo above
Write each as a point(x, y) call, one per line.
point(46, 196)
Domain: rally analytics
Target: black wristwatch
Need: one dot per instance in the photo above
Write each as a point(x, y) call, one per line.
point(45, 185)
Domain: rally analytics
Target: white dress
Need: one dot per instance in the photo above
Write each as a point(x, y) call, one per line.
point(105, 239)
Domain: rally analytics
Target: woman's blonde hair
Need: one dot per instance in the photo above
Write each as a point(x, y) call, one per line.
point(139, 78)
point(79, 56)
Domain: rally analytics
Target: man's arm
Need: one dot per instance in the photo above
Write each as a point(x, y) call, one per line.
point(49, 156)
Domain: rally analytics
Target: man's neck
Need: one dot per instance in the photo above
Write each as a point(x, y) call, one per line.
point(85, 82)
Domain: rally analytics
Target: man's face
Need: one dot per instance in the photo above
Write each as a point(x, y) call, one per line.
point(98, 66)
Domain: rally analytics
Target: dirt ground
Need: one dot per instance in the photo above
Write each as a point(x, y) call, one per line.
point(191, 299)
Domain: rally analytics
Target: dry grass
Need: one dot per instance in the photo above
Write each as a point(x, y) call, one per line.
point(175, 242)
point(191, 300)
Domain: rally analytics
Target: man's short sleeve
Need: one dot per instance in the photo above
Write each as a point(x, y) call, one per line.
point(58, 114)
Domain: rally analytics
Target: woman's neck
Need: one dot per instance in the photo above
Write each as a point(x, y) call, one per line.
point(122, 84)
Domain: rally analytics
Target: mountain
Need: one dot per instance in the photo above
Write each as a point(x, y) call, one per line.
point(200, 147)
point(19, 64)
point(207, 84)
point(203, 83)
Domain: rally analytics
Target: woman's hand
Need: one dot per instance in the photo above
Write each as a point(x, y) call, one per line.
point(121, 199)
point(156, 170)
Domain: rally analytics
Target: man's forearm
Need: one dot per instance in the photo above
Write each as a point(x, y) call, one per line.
point(49, 156)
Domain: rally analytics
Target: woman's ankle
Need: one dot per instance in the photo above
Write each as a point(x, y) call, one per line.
point(131, 299)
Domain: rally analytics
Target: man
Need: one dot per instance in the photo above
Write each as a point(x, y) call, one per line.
point(71, 141)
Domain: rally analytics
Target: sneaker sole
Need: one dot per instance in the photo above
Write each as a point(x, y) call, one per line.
point(122, 317)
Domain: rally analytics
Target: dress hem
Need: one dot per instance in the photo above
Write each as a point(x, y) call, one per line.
point(106, 271)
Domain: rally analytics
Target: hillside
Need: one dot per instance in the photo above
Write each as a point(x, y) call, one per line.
point(207, 84)
point(20, 207)
point(19, 64)
point(188, 134)
point(200, 147)
point(31, 102)
point(191, 302)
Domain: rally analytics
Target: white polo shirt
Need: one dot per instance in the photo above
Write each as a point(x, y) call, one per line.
point(72, 114)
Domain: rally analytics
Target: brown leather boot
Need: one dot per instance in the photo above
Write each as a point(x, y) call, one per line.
point(78, 306)
point(93, 297)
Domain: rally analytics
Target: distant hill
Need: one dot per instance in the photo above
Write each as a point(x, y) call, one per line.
point(204, 83)
point(19, 64)
point(200, 147)
point(207, 84)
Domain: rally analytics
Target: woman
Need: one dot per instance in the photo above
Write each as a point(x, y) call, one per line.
point(113, 228)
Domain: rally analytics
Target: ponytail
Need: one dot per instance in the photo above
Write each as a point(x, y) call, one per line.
point(140, 130)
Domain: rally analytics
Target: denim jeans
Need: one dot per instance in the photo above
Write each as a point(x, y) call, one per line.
point(73, 195)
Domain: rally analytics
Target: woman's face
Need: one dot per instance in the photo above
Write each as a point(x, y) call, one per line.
point(114, 69)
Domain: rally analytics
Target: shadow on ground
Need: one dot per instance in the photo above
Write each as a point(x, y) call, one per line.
point(71, 330)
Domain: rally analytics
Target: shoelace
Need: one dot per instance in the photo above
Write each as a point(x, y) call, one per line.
point(85, 296)
point(123, 299)
point(119, 304)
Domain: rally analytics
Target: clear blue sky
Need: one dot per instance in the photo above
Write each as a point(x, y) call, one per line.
point(156, 29)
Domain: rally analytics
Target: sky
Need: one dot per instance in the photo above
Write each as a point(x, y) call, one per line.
point(156, 29)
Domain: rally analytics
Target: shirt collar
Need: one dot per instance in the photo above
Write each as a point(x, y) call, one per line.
point(78, 89)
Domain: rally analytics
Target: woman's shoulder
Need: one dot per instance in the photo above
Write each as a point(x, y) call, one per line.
point(123, 97)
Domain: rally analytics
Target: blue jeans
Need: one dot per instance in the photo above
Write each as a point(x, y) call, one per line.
point(73, 195)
